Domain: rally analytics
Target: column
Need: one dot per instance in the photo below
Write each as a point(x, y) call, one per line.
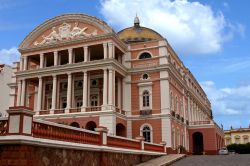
point(39, 95)
point(69, 91)
point(21, 64)
point(85, 53)
point(55, 58)
point(105, 86)
point(110, 50)
point(19, 84)
point(119, 94)
point(85, 89)
point(25, 62)
point(41, 60)
point(111, 87)
point(23, 92)
point(54, 92)
point(70, 50)
point(105, 53)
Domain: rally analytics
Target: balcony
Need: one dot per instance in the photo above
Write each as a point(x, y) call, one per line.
point(200, 123)
point(80, 110)
point(145, 112)
point(74, 67)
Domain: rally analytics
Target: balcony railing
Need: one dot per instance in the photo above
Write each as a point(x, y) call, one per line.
point(95, 108)
point(120, 111)
point(153, 147)
point(200, 122)
point(145, 112)
point(3, 126)
point(116, 141)
point(40, 130)
point(59, 132)
point(59, 111)
point(44, 112)
point(73, 110)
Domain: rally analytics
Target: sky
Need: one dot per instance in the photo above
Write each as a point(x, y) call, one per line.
point(210, 36)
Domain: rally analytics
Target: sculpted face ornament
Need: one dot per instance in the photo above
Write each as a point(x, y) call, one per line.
point(65, 33)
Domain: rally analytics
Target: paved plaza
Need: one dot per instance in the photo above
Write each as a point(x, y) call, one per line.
point(218, 160)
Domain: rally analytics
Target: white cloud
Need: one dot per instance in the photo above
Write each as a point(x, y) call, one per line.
point(8, 56)
point(191, 27)
point(228, 101)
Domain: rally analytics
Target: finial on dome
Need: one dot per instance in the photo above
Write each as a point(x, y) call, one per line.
point(136, 21)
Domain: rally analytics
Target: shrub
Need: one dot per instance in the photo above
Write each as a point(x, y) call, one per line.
point(240, 148)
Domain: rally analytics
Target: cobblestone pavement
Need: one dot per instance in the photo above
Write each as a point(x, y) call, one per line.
point(218, 160)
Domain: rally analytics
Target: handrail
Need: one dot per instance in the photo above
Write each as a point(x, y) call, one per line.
point(153, 147)
point(123, 143)
point(3, 126)
point(64, 133)
point(200, 122)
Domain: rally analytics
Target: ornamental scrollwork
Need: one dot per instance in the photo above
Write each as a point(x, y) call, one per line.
point(65, 33)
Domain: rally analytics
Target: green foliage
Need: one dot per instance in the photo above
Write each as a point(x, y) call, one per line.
point(240, 148)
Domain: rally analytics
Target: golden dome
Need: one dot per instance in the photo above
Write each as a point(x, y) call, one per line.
point(138, 34)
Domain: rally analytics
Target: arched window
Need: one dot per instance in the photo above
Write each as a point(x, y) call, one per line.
point(245, 139)
point(237, 139)
point(145, 55)
point(75, 124)
point(145, 99)
point(94, 100)
point(146, 133)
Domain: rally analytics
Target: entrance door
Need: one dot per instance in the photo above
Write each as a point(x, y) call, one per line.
point(197, 143)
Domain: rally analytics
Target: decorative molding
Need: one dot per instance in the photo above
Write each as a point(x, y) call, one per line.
point(65, 33)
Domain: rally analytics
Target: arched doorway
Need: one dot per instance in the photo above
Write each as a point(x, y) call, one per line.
point(90, 126)
point(120, 130)
point(75, 124)
point(198, 143)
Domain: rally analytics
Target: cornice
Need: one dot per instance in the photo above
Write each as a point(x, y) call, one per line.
point(74, 68)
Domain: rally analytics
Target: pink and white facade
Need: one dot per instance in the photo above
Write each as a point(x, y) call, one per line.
point(76, 70)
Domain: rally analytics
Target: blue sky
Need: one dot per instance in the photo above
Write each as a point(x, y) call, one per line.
point(210, 36)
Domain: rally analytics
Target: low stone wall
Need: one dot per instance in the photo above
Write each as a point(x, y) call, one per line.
point(30, 155)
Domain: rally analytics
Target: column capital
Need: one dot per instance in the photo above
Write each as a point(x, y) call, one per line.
point(111, 69)
point(54, 76)
point(55, 52)
point(84, 71)
point(69, 74)
point(70, 49)
point(110, 44)
point(24, 57)
point(105, 44)
point(85, 47)
point(41, 54)
point(105, 68)
point(39, 77)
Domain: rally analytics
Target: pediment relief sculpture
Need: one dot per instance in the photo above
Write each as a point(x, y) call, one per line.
point(65, 33)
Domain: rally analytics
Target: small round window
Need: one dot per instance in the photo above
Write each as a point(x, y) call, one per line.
point(145, 55)
point(145, 76)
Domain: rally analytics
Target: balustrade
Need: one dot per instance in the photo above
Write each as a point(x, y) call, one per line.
point(123, 143)
point(153, 147)
point(200, 122)
point(69, 134)
point(3, 126)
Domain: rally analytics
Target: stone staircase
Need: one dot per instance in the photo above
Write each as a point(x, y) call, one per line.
point(163, 160)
